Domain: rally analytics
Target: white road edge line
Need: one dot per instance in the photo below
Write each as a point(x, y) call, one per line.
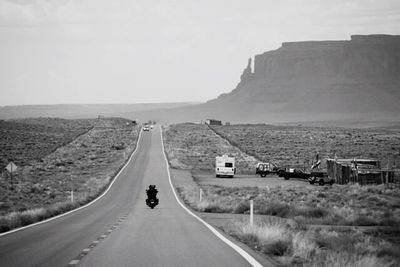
point(82, 207)
point(238, 249)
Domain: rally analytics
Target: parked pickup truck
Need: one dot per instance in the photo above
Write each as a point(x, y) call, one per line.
point(321, 178)
point(293, 173)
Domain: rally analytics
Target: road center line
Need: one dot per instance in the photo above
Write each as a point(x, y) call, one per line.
point(92, 245)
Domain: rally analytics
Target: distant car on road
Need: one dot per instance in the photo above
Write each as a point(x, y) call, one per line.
point(146, 128)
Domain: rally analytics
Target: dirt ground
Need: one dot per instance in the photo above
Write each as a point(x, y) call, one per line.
point(242, 180)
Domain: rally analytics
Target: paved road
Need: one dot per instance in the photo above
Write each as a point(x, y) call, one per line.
point(119, 230)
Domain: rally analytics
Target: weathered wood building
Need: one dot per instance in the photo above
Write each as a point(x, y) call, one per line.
point(362, 171)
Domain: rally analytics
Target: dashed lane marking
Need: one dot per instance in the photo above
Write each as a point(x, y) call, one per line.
point(92, 245)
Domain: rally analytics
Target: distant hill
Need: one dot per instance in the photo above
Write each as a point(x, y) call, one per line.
point(347, 81)
point(74, 111)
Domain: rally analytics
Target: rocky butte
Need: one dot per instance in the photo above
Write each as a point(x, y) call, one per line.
point(319, 80)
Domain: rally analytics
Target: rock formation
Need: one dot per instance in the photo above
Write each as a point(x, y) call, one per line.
point(337, 78)
point(247, 73)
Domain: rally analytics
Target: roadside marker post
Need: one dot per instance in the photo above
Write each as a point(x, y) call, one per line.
point(201, 195)
point(251, 212)
point(72, 189)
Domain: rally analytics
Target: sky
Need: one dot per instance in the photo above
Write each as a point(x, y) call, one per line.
point(140, 51)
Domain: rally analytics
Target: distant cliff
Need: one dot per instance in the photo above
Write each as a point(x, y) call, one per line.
point(337, 78)
point(373, 57)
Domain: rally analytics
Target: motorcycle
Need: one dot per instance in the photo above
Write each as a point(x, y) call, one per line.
point(152, 202)
point(152, 199)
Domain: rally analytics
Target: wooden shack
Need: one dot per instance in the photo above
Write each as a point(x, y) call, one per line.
point(362, 171)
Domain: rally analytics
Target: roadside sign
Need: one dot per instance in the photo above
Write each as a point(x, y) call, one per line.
point(11, 167)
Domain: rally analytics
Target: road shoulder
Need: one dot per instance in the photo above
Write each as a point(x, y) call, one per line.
point(182, 178)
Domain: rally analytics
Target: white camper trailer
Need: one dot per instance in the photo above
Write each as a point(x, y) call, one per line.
point(225, 166)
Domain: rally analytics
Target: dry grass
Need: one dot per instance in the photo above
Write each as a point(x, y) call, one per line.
point(297, 246)
point(27, 140)
point(87, 164)
point(269, 238)
point(194, 147)
point(337, 205)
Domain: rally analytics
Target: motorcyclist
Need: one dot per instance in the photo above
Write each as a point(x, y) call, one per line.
point(152, 191)
point(152, 200)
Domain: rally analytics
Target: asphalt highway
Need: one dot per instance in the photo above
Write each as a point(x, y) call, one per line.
point(120, 230)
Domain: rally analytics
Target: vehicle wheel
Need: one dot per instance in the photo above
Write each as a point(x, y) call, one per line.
point(321, 182)
point(263, 174)
point(331, 182)
point(311, 182)
point(286, 178)
point(217, 176)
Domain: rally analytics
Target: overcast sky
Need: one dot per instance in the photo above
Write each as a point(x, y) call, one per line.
point(136, 51)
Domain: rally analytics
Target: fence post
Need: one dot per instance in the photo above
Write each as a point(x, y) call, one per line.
point(251, 212)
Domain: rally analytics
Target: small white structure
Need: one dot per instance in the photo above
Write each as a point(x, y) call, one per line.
point(213, 122)
point(225, 166)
